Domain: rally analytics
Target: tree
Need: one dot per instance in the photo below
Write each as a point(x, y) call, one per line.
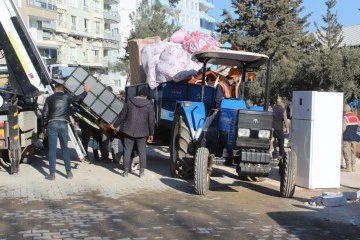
point(331, 34)
point(149, 20)
point(266, 26)
point(272, 27)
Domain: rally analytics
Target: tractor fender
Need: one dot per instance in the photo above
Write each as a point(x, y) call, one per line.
point(195, 116)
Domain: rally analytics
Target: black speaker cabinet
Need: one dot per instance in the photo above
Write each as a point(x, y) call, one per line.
point(101, 101)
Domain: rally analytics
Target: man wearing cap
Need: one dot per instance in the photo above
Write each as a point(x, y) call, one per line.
point(350, 137)
point(56, 116)
point(138, 118)
point(229, 88)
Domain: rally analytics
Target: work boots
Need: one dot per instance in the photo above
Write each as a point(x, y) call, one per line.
point(51, 177)
point(142, 172)
point(125, 173)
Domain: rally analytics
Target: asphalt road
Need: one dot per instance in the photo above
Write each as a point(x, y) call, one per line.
point(100, 204)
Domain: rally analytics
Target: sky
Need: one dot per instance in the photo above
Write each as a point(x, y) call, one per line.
point(347, 11)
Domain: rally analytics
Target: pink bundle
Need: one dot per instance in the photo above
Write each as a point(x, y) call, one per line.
point(200, 41)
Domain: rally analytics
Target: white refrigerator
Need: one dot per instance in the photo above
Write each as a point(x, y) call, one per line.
point(316, 138)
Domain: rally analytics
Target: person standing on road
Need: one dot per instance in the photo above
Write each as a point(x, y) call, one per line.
point(138, 118)
point(229, 88)
point(350, 137)
point(279, 120)
point(56, 116)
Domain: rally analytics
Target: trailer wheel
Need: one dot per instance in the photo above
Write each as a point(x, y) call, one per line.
point(182, 164)
point(202, 171)
point(288, 168)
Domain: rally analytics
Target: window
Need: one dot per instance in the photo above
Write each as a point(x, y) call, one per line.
point(39, 25)
point(60, 51)
point(117, 83)
point(96, 55)
point(72, 54)
point(61, 22)
point(73, 22)
point(86, 25)
point(106, 53)
point(115, 31)
point(97, 27)
point(107, 27)
point(97, 6)
point(86, 5)
point(86, 55)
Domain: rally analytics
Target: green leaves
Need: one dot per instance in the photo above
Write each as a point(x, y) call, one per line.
point(330, 35)
point(300, 62)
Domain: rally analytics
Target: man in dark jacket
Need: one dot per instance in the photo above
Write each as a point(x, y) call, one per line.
point(56, 116)
point(138, 118)
point(279, 119)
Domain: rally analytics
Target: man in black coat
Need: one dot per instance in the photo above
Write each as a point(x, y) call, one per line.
point(56, 117)
point(138, 118)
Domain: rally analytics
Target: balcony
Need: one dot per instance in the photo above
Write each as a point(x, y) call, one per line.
point(61, 2)
point(46, 36)
point(206, 5)
point(111, 36)
point(48, 26)
point(206, 17)
point(111, 45)
point(110, 2)
point(41, 4)
point(207, 25)
point(112, 16)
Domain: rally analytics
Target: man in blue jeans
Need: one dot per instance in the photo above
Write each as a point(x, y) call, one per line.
point(56, 118)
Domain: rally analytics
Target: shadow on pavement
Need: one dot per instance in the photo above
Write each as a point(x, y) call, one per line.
point(185, 186)
point(40, 160)
point(314, 225)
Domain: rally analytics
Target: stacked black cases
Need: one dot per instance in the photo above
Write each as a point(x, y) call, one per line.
point(100, 101)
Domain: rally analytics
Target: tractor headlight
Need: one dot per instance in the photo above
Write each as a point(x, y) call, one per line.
point(264, 134)
point(243, 132)
point(1, 101)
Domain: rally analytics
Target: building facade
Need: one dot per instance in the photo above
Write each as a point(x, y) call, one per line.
point(74, 32)
point(93, 33)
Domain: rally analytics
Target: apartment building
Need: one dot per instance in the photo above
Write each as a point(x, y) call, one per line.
point(74, 32)
point(93, 33)
point(192, 15)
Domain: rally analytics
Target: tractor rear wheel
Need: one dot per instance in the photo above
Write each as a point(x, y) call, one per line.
point(182, 164)
point(288, 169)
point(202, 171)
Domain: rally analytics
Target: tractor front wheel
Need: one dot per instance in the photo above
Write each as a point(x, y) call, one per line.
point(202, 171)
point(288, 168)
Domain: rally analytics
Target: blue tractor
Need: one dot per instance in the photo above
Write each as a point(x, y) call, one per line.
point(202, 135)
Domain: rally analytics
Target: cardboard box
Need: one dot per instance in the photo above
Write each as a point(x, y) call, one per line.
point(137, 74)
